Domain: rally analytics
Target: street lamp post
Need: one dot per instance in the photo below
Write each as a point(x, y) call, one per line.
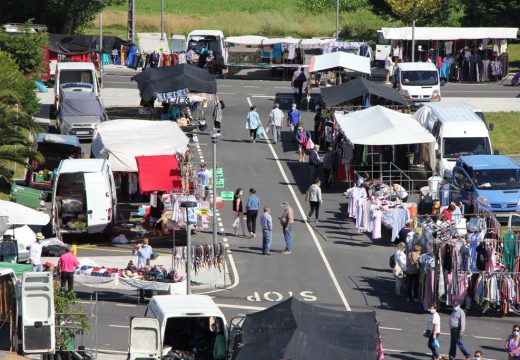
point(413, 40)
point(188, 205)
point(162, 19)
point(214, 139)
point(337, 20)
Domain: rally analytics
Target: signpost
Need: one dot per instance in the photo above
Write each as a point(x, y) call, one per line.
point(219, 182)
point(227, 195)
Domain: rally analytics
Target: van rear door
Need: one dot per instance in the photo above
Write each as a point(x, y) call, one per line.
point(145, 339)
point(98, 201)
point(38, 332)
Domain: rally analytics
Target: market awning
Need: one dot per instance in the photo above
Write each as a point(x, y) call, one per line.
point(83, 44)
point(18, 269)
point(246, 40)
point(358, 87)
point(450, 33)
point(286, 40)
point(381, 126)
point(295, 329)
point(22, 215)
point(340, 59)
point(158, 173)
point(172, 78)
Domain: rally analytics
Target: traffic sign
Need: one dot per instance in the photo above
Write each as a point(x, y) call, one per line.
point(227, 195)
point(219, 182)
point(220, 172)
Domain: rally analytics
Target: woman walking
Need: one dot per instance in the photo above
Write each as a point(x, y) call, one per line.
point(253, 123)
point(252, 206)
point(412, 273)
point(400, 267)
point(314, 198)
point(239, 212)
point(433, 331)
point(302, 136)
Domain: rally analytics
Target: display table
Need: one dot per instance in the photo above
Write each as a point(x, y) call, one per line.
point(119, 283)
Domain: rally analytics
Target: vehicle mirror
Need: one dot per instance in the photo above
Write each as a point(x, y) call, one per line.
point(491, 126)
point(496, 152)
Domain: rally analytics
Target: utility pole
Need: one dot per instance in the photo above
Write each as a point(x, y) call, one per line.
point(101, 70)
point(162, 19)
point(131, 20)
point(337, 20)
point(413, 40)
point(188, 205)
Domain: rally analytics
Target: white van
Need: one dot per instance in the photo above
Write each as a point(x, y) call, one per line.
point(458, 131)
point(180, 322)
point(83, 197)
point(212, 39)
point(80, 77)
point(418, 82)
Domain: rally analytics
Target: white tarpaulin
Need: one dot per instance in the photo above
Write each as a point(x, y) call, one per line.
point(450, 33)
point(381, 126)
point(286, 40)
point(120, 141)
point(245, 40)
point(22, 215)
point(340, 59)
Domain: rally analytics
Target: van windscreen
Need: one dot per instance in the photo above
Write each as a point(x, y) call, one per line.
point(419, 78)
point(76, 76)
point(455, 147)
point(497, 179)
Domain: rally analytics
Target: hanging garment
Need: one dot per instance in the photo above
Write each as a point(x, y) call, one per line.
point(399, 218)
point(510, 250)
point(376, 231)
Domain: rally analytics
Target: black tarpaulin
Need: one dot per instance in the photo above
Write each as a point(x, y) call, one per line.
point(172, 78)
point(339, 94)
point(295, 329)
point(83, 44)
point(81, 107)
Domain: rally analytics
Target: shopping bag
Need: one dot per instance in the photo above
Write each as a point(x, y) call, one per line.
point(236, 222)
point(260, 132)
point(309, 145)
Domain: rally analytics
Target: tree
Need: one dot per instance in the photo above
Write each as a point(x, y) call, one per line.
point(18, 102)
point(26, 48)
point(423, 11)
point(60, 16)
point(319, 6)
point(491, 13)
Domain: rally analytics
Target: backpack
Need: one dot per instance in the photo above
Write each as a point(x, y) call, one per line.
point(391, 261)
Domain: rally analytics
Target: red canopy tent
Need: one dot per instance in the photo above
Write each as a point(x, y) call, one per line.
point(158, 173)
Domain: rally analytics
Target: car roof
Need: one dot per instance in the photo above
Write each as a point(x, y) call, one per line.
point(206, 33)
point(453, 111)
point(489, 162)
point(57, 139)
point(81, 165)
point(416, 66)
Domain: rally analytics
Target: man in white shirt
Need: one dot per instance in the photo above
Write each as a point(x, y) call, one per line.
point(203, 181)
point(400, 192)
point(275, 122)
point(35, 253)
point(389, 67)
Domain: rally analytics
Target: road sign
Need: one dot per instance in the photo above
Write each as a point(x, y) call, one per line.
point(203, 211)
point(219, 182)
point(227, 195)
point(220, 172)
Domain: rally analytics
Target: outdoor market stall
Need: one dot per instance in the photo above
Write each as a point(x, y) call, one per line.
point(461, 53)
point(340, 64)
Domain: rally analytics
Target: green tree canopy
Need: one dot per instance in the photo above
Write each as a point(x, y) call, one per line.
point(423, 11)
point(60, 16)
point(26, 48)
point(491, 13)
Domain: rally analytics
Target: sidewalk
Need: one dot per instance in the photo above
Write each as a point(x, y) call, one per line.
point(488, 104)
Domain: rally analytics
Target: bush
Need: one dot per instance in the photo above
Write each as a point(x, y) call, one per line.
point(363, 25)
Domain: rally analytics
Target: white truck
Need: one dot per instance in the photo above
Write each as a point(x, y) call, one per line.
point(76, 77)
point(83, 197)
point(418, 82)
point(182, 323)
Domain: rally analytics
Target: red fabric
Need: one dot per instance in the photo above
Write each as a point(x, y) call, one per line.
point(158, 173)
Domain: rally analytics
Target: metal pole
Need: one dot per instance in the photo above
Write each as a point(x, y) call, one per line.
point(214, 183)
point(101, 46)
point(133, 20)
point(188, 255)
point(413, 40)
point(337, 20)
point(173, 240)
point(162, 19)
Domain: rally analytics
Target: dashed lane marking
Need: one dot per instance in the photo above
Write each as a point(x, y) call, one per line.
point(309, 228)
point(390, 328)
point(120, 326)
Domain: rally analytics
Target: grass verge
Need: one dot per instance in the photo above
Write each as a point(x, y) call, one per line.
point(506, 133)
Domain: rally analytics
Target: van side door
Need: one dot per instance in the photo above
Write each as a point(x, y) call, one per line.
point(145, 339)
point(98, 202)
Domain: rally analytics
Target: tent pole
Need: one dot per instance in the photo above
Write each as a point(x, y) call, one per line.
point(413, 40)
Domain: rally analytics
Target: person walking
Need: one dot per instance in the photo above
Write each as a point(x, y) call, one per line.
point(253, 123)
point(204, 178)
point(314, 162)
point(412, 273)
point(302, 136)
point(287, 221)
point(266, 221)
point(298, 79)
point(67, 264)
point(35, 253)
point(389, 67)
point(252, 206)
point(433, 331)
point(294, 117)
point(313, 196)
point(275, 123)
point(400, 267)
point(239, 212)
point(457, 327)
point(513, 344)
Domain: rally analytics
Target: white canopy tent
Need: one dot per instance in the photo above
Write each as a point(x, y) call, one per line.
point(120, 141)
point(340, 59)
point(381, 126)
point(450, 33)
point(17, 214)
point(245, 40)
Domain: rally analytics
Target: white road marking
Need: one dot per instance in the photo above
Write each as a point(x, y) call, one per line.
point(120, 326)
point(220, 224)
point(106, 351)
point(222, 93)
point(263, 96)
point(223, 85)
point(251, 86)
point(309, 228)
point(487, 338)
point(126, 305)
point(243, 307)
point(390, 328)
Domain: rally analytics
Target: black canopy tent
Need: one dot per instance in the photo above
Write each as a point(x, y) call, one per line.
point(295, 329)
point(339, 94)
point(83, 44)
point(172, 78)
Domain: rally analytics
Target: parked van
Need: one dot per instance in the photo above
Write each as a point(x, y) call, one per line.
point(458, 131)
point(212, 40)
point(84, 197)
point(76, 73)
point(418, 82)
point(191, 323)
point(489, 182)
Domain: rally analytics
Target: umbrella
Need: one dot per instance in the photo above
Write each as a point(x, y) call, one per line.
point(22, 215)
point(294, 329)
point(172, 78)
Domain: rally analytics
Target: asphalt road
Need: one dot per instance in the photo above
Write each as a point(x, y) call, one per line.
point(332, 265)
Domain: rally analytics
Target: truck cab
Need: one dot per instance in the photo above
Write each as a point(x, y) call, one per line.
point(75, 73)
point(418, 82)
point(183, 323)
point(488, 182)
